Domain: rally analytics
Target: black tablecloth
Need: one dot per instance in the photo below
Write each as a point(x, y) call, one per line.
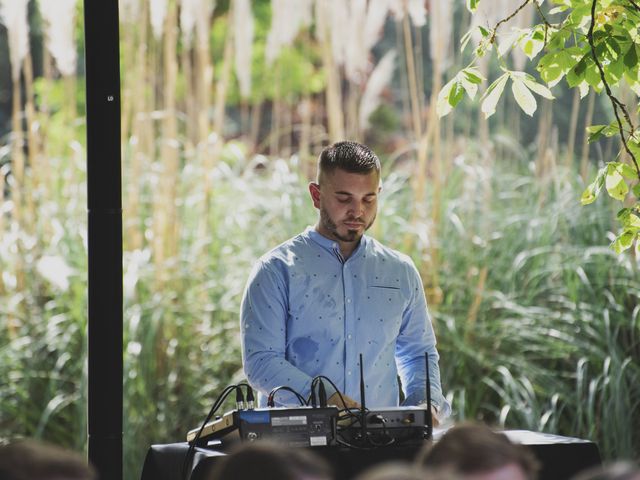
point(561, 457)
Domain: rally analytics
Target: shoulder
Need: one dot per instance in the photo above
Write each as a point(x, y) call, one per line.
point(382, 252)
point(285, 255)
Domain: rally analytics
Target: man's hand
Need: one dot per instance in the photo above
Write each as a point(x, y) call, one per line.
point(336, 400)
point(434, 416)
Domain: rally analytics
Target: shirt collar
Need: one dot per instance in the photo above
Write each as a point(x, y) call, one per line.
point(332, 245)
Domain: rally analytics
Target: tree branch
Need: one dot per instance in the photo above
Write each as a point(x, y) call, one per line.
point(635, 5)
point(617, 104)
point(505, 20)
point(542, 15)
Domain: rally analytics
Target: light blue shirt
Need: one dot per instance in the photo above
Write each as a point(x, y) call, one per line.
point(308, 312)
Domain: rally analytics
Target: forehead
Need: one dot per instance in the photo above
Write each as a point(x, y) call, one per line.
point(340, 180)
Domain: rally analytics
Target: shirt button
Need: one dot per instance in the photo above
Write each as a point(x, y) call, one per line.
point(349, 336)
point(348, 300)
point(349, 372)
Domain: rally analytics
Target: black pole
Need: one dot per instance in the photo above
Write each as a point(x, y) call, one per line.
point(104, 189)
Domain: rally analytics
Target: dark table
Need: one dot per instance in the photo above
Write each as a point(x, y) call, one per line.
point(560, 457)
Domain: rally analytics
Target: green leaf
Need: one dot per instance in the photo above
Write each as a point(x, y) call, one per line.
point(613, 46)
point(614, 72)
point(576, 74)
point(623, 241)
point(592, 76)
point(473, 75)
point(628, 171)
point(623, 215)
point(584, 89)
point(555, 65)
point(559, 9)
point(633, 222)
point(469, 87)
point(631, 57)
point(533, 43)
point(581, 66)
point(508, 41)
point(634, 145)
point(472, 5)
point(443, 104)
point(523, 96)
point(616, 186)
point(636, 190)
point(557, 39)
point(464, 41)
point(595, 132)
point(580, 15)
point(538, 88)
point(492, 95)
point(629, 220)
point(456, 93)
point(485, 33)
point(589, 195)
point(593, 189)
point(470, 78)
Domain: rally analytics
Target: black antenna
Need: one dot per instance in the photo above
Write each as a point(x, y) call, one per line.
point(322, 394)
point(428, 387)
point(314, 403)
point(363, 415)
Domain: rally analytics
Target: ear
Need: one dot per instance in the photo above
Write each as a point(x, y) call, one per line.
point(314, 190)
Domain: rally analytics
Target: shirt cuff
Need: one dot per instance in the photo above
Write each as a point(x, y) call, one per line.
point(443, 409)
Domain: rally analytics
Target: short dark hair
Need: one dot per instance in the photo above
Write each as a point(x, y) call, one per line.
point(621, 470)
point(270, 461)
point(351, 157)
point(397, 470)
point(35, 460)
point(475, 448)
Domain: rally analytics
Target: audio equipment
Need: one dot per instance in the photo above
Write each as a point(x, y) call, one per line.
point(294, 427)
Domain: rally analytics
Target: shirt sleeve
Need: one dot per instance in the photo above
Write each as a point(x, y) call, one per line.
point(416, 338)
point(263, 317)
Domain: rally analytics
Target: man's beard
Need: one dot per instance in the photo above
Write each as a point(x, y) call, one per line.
point(331, 226)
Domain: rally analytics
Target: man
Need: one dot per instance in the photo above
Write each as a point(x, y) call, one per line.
point(475, 452)
point(315, 303)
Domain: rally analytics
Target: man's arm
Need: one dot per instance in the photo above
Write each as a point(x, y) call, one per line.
point(263, 319)
point(415, 338)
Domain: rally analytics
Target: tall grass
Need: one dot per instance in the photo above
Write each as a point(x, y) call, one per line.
point(554, 345)
point(546, 339)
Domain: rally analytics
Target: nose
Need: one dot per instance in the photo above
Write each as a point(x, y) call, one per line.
point(357, 208)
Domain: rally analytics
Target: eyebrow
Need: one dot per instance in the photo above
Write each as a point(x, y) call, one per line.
point(340, 192)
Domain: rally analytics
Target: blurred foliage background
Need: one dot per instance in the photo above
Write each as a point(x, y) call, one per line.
point(225, 106)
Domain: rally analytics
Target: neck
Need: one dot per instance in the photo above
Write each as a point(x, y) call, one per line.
point(346, 248)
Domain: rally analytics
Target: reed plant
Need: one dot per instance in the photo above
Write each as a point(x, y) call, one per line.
point(545, 339)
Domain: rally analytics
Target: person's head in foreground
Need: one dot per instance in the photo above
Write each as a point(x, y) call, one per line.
point(269, 461)
point(33, 460)
point(475, 452)
point(404, 471)
point(614, 471)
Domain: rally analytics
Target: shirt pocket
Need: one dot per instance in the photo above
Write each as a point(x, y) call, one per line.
point(387, 303)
